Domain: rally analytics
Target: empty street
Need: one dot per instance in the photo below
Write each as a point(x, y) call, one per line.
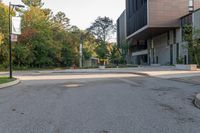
point(98, 103)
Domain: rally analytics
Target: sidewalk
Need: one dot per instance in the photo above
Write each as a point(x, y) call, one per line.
point(166, 72)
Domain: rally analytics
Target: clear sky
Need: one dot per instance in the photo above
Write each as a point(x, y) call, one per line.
point(83, 12)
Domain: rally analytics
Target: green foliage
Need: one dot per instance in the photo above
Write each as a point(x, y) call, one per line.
point(180, 60)
point(61, 21)
point(47, 40)
point(102, 51)
point(34, 3)
point(192, 36)
point(102, 28)
point(115, 54)
point(1, 38)
point(124, 51)
point(3, 34)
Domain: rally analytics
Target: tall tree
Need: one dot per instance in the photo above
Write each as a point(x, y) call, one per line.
point(102, 28)
point(34, 3)
point(61, 20)
point(46, 40)
point(3, 34)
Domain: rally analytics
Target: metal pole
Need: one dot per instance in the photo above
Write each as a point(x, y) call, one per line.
point(10, 42)
point(81, 54)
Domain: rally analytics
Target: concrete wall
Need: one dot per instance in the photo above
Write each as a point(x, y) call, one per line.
point(196, 4)
point(196, 19)
point(166, 13)
point(162, 49)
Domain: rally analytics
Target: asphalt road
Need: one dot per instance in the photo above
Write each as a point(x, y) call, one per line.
point(98, 103)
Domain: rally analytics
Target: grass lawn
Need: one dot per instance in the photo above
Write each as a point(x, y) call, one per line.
point(5, 80)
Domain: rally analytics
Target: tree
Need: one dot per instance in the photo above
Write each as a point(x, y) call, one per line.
point(47, 40)
point(37, 36)
point(89, 46)
point(34, 3)
point(61, 21)
point(4, 34)
point(102, 52)
point(115, 54)
point(102, 28)
point(1, 38)
point(192, 36)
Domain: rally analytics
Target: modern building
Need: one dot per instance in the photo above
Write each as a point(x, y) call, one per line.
point(121, 29)
point(154, 30)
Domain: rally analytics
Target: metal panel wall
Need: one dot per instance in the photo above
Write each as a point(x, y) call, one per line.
point(121, 29)
point(136, 15)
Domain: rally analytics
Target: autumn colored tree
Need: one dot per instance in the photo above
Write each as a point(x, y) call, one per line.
point(34, 3)
point(47, 40)
point(3, 35)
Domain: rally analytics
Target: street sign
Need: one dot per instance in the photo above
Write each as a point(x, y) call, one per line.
point(13, 38)
point(16, 25)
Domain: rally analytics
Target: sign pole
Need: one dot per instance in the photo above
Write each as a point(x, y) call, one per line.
point(10, 43)
point(81, 55)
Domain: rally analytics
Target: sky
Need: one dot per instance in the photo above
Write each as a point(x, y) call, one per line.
point(83, 12)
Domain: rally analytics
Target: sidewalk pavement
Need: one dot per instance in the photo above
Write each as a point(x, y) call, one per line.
point(166, 72)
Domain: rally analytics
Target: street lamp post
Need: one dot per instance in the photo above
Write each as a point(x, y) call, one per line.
point(81, 52)
point(11, 6)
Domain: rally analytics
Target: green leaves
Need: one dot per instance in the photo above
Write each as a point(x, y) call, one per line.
point(48, 40)
point(192, 37)
point(34, 3)
point(102, 28)
point(1, 38)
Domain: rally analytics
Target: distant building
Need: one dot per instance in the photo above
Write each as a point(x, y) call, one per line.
point(154, 30)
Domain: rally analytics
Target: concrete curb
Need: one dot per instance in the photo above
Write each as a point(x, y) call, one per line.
point(197, 101)
point(122, 72)
point(12, 83)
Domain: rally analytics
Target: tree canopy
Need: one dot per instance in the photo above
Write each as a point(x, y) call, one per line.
point(49, 40)
point(102, 28)
point(34, 3)
point(192, 36)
